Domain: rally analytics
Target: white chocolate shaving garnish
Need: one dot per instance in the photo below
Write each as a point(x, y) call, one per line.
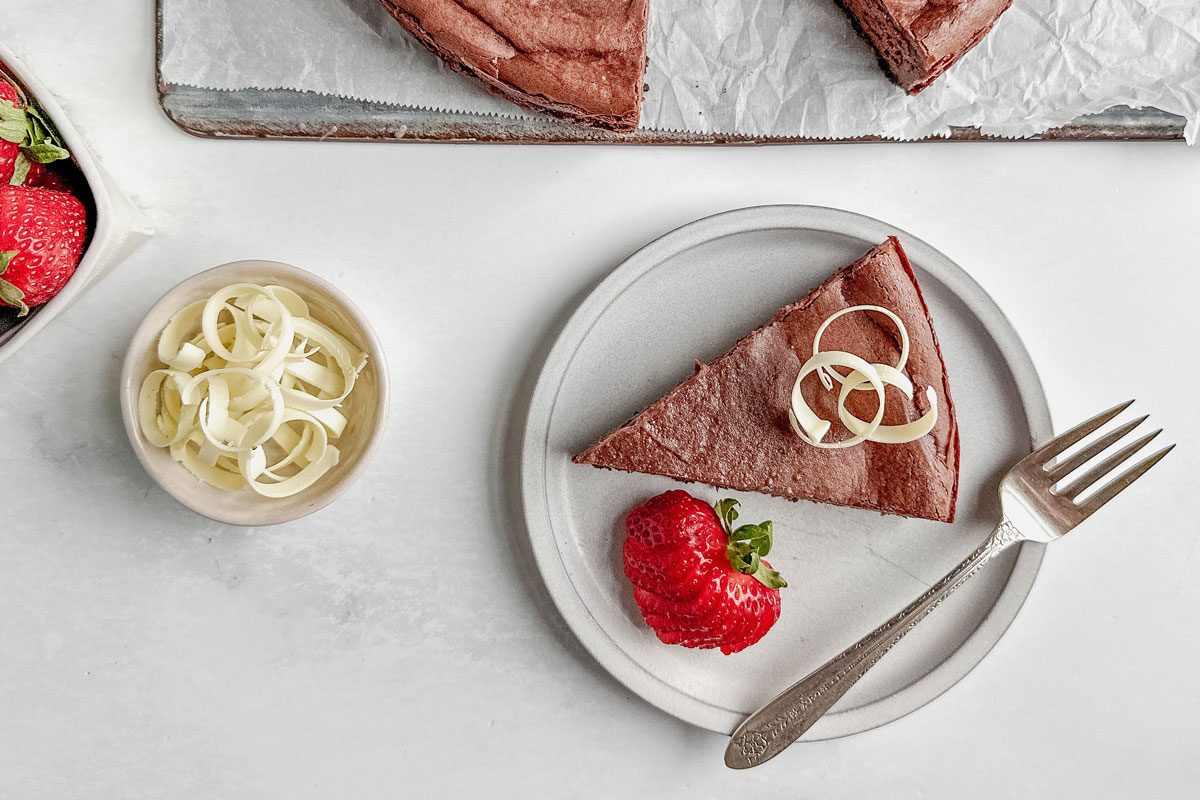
point(861, 377)
point(251, 389)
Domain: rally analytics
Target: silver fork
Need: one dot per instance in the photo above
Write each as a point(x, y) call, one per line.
point(1032, 509)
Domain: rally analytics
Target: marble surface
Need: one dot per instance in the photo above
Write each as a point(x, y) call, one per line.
point(146, 652)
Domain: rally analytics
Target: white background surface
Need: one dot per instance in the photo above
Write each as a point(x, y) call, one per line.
point(145, 652)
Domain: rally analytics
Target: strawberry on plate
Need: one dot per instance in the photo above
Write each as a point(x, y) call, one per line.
point(42, 233)
point(698, 581)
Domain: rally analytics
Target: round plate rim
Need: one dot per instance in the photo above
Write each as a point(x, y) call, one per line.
point(533, 463)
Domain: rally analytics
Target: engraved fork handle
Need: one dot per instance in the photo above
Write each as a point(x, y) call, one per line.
point(771, 729)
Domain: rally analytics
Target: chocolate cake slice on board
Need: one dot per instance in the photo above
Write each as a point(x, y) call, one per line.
point(728, 426)
point(581, 60)
point(918, 40)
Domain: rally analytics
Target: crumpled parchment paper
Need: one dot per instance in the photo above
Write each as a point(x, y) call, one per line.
point(756, 67)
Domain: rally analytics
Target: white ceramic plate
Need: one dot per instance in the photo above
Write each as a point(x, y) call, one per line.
point(689, 296)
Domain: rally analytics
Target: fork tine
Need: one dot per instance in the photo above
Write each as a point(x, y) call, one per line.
point(1076, 461)
point(1122, 482)
point(1060, 443)
point(1106, 466)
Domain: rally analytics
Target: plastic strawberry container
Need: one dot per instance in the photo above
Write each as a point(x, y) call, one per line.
point(117, 230)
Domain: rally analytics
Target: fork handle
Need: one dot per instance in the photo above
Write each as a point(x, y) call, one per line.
point(771, 729)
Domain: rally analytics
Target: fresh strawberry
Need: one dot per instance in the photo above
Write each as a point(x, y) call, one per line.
point(41, 240)
point(698, 581)
point(27, 138)
point(47, 176)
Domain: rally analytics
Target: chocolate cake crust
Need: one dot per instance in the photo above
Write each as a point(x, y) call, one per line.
point(727, 425)
point(581, 60)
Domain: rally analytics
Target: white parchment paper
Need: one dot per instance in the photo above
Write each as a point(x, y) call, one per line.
point(757, 67)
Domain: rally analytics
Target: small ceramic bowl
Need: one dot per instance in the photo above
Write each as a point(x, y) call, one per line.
point(366, 408)
point(119, 226)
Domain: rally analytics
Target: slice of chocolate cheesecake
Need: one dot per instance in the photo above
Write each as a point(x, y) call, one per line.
point(728, 426)
point(918, 40)
point(581, 60)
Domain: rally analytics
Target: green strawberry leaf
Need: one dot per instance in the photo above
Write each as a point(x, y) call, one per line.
point(13, 124)
point(44, 127)
point(727, 512)
point(758, 536)
point(743, 557)
point(20, 170)
point(746, 559)
point(43, 143)
point(6, 257)
point(11, 295)
point(770, 578)
point(45, 152)
point(748, 544)
point(39, 123)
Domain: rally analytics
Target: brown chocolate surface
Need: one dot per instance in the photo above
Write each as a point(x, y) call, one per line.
point(918, 40)
point(578, 59)
point(728, 426)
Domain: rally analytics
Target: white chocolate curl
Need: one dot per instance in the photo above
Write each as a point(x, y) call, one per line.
point(862, 376)
point(250, 391)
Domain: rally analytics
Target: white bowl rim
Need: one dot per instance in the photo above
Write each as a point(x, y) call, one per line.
point(176, 298)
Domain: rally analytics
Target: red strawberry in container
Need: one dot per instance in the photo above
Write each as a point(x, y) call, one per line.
point(698, 581)
point(42, 233)
point(28, 142)
point(46, 176)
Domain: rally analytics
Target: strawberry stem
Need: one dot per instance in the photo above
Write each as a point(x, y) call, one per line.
point(748, 544)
